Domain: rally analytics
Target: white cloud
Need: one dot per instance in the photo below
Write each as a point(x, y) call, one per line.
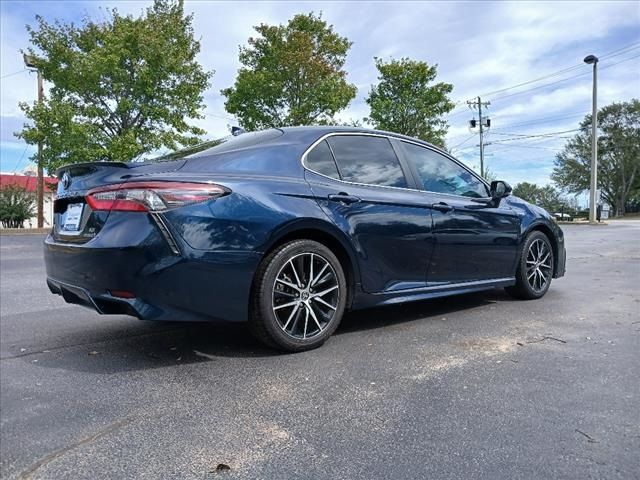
point(479, 47)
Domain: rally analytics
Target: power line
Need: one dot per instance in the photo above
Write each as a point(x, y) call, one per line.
point(621, 51)
point(525, 135)
point(219, 116)
point(14, 73)
point(522, 137)
point(517, 145)
point(613, 53)
point(464, 141)
point(541, 120)
point(562, 80)
point(555, 74)
point(20, 160)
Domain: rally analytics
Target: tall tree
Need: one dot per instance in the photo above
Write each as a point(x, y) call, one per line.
point(618, 155)
point(291, 75)
point(546, 197)
point(120, 88)
point(406, 100)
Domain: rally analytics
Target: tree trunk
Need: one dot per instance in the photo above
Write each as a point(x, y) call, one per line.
point(622, 202)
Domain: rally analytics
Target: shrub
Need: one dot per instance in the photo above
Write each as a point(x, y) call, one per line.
point(16, 206)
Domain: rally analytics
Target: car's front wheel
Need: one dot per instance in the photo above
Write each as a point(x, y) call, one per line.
point(299, 296)
point(535, 268)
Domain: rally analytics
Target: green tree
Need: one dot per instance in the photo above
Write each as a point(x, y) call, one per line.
point(490, 175)
point(546, 197)
point(618, 155)
point(406, 100)
point(120, 88)
point(291, 75)
point(16, 206)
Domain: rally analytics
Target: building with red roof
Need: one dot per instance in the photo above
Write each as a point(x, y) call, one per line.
point(29, 181)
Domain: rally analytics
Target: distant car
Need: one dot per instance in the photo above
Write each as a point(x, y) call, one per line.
point(563, 216)
point(288, 228)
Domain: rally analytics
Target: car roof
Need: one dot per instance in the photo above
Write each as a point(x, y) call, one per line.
point(305, 132)
point(275, 151)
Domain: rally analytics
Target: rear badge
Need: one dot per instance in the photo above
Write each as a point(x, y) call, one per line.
point(66, 180)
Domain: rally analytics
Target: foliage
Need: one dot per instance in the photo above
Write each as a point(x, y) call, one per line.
point(291, 75)
point(618, 155)
point(489, 175)
point(406, 100)
point(120, 88)
point(546, 197)
point(16, 206)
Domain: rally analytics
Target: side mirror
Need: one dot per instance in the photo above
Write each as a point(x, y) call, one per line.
point(500, 189)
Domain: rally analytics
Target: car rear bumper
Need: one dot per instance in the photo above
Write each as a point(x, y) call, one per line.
point(138, 262)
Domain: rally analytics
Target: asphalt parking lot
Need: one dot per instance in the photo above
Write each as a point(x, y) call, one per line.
point(476, 386)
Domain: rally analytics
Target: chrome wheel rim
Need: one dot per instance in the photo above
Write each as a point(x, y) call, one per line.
point(539, 265)
point(305, 296)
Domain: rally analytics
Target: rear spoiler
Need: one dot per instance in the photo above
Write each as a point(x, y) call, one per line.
point(85, 165)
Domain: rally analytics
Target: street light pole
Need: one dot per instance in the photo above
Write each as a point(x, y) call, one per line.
point(593, 60)
point(29, 63)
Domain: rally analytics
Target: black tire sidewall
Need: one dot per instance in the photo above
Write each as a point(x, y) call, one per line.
point(264, 293)
point(523, 282)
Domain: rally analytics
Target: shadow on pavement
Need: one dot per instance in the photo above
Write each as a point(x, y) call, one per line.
point(172, 344)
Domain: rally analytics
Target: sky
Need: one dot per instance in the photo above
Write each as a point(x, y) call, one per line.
point(482, 48)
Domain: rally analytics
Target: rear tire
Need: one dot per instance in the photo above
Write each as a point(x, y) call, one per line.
point(535, 268)
point(299, 296)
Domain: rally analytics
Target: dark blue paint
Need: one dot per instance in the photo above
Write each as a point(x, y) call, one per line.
point(400, 248)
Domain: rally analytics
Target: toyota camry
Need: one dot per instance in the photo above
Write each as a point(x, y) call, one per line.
point(287, 229)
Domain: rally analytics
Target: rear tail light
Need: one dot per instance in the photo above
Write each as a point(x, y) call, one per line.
point(152, 196)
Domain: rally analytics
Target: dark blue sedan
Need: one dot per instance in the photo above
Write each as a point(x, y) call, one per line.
point(288, 228)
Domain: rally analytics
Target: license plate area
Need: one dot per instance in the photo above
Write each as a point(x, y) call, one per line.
point(72, 218)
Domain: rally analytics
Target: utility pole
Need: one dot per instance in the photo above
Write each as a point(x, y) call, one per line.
point(593, 60)
point(28, 61)
point(482, 122)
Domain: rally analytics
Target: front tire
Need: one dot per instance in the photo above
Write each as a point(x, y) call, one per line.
point(535, 268)
point(299, 296)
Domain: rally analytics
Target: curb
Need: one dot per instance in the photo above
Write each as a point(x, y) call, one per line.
point(600, 224)
point(24, 231)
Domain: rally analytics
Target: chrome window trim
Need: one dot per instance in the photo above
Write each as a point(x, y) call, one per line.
point(390, 138)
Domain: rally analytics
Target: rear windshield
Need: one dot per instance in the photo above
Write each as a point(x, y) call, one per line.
point(240, 142)
point(226, 144)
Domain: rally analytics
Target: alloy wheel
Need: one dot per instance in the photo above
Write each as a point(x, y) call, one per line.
point(539, 265)
point(305, 295)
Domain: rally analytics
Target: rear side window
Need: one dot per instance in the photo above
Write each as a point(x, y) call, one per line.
point(440, 174)
point(321, 160)
point(367, 159)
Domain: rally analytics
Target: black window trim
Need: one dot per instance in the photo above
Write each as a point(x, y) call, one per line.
point(408, 171)
point(333, 157)
point(408, 174)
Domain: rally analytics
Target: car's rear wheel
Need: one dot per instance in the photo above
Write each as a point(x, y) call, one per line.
point(299, 296)
point(535, 268)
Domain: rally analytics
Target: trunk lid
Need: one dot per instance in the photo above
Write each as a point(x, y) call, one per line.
point(73, 219)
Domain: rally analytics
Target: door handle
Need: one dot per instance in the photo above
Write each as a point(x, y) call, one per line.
point(442, 207)
point(343, 198)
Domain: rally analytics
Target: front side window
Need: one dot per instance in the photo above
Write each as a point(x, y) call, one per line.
point(440, 174)
point(320, 160)
point(367, 159)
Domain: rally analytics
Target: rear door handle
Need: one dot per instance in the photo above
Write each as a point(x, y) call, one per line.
point(343, 198)
point(442, 207)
